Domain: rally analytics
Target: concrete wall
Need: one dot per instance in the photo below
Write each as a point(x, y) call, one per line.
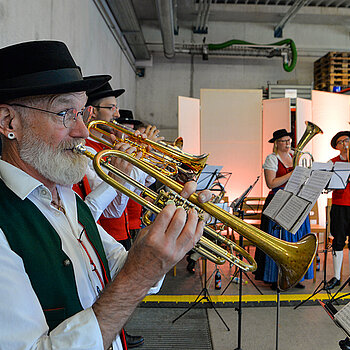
point(157, 92)
point(154, 97)
point(79, 24)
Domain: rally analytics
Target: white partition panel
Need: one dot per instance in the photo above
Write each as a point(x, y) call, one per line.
point(331, 113)
point(276, 115)
point(189, 123)
point(231, 133)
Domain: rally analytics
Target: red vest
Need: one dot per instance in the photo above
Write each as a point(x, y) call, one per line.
point(281, 170)
point(97, 146)
point(341, 197)
point(134, 213)
point(118, 228)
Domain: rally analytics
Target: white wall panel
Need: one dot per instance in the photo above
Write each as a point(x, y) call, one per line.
point(231, 133)
point(189, 124)
point(331, 114)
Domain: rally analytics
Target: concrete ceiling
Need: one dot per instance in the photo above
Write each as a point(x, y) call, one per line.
point(200, 15)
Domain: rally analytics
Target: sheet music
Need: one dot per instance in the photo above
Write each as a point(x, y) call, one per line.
point(342, 318)
point(340, 176)
point(322, 166)
point(314, 185)
point(278, 200)
point(297, 179)
point(291, 212)
point(290, 207)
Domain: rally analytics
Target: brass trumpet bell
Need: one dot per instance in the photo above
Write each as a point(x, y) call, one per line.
point(310, 131)
point(293, 259)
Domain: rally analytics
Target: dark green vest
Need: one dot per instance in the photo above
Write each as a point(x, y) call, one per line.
point(50, 271)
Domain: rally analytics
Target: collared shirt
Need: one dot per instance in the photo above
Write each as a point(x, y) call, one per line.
point(22, 322)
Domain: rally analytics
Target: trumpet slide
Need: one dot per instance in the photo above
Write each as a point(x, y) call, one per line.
point(293, 259)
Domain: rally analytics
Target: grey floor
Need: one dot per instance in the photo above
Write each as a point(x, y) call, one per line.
point(308, 327)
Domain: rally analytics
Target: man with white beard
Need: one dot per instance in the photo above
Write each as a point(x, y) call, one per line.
point(64, 282)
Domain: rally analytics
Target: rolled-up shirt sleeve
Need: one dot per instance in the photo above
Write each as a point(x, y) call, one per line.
point(271, 162)
point(101, 195)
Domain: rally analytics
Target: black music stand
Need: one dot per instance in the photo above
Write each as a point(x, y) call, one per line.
point(209, 174)
point(207, 177)
point(237, 206)
point(322, 285)
point(203, 295)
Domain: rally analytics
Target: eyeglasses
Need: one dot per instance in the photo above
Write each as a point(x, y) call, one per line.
point(112, 108)
point(69, 116)
point(285, 141)
point(342, 142)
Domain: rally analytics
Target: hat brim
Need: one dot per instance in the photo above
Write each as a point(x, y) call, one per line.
point(87, 84)
point(287, 134)
point(103, 94)
point(130, 121)
point(336, 137)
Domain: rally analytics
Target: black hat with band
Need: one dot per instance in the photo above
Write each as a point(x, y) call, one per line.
point(42, 68)
point(127, 117)
point(278, 134)
point(336, 137)
point(102, 92)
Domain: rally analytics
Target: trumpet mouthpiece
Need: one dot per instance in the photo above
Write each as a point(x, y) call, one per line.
point(79, 148)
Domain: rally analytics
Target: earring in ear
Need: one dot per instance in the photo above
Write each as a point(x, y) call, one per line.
point(11, 136)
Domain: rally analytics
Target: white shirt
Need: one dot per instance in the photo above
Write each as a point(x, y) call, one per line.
point(271, 162)
point(101, 195)
point(22, 322)
point(113, 203)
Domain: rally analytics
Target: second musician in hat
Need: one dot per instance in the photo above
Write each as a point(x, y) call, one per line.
point(278, 168)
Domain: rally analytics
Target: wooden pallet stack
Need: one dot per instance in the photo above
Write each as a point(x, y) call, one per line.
point(332, 70)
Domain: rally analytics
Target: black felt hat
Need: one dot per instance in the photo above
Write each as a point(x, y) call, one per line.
point(278, 134)
point(126, 117)
point(42, 68)
point(336, 137)
point(103, 91)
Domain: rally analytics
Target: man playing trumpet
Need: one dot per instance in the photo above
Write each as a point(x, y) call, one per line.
point(64, 282)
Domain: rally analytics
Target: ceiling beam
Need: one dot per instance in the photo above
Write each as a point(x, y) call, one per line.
point(341, 3)
point(124, 13)
point(278, 30)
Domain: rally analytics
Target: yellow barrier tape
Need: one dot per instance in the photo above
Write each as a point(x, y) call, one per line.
point(234, 298)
